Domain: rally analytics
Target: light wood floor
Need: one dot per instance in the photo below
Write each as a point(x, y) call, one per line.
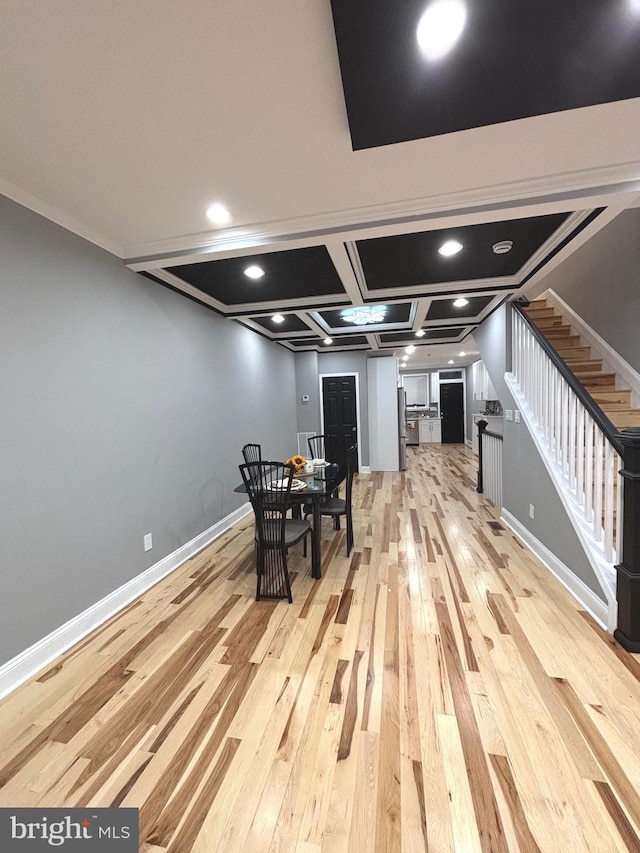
point(438, 691)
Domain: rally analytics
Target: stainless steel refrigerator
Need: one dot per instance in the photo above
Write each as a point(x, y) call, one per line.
point(402, 429)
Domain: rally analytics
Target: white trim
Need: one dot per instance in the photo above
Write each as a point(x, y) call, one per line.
point(29, 662)
point(366, 469)
point(613, 360)
point(359, 422)
point(570, 581)
point(603, 571)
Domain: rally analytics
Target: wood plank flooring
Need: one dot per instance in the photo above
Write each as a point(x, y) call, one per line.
point(437, 690)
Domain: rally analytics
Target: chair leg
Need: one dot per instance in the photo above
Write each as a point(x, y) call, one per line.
point(349, 534)
point(336, 522)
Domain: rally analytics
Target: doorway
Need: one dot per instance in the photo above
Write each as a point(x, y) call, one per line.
point(452, 412)
point(340, 412)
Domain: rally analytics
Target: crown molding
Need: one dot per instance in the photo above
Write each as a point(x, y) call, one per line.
point(53, 214)
point(588, 187)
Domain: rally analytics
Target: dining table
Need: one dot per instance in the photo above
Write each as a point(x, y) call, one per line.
point(319, 485)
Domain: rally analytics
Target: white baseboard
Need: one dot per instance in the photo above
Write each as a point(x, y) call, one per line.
point(570, 581)
point(26, 664)
point(365, 469)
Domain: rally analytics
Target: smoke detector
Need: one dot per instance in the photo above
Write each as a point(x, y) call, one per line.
point(502, 247)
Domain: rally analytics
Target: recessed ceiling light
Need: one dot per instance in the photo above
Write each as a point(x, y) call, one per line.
point(278, 318)
point(405, 358)
point(410, 349)
point(327, 341)
point(450, 361)
point(440, 27)
point(451, 247)
point(462, 354)
point(460, 303)
point(254, 271)
point(420, 333)
point(218, 214)
point(502, 247)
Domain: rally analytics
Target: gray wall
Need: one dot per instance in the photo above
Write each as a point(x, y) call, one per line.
point(309, 367)
point(524, 477)
point(124, 410)
point(601, 282)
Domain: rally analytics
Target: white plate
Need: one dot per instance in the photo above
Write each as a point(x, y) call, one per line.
point(281, 485)
point(320, 463)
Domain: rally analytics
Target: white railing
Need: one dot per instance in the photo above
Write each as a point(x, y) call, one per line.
point(492, 467)
point(584, 460)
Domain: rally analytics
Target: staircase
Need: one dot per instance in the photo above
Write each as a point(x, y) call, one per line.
point(585, 365)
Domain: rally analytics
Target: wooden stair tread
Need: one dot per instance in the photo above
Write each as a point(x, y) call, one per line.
point(625, 418)
point(557, 332)
point(577, 353)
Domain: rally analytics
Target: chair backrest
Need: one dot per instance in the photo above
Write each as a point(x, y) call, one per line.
point(352, 464)
point(252, 453)
point(323, 447)
point(268, 485)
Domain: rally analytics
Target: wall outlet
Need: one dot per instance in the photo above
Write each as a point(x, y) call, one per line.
point(531, 510)
point(516, 416)
point(148, 544)
point(508, 414)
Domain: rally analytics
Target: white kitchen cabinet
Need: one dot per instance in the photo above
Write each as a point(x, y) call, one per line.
point(430, 431)
point(496, 424)
point(417, 387)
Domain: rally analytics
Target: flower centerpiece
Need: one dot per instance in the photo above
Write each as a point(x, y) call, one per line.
point(298, 463)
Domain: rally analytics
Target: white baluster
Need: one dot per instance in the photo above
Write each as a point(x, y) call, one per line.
point(597, 498)
point(588, 475)
point(573, 426)
point(580, 455)
point(608, 501)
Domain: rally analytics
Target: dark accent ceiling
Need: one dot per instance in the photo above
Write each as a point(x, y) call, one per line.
point(288, 275)
point(338, 341)
point(444, 309)
point(413, 259)
point(429, 335)
point(513, 60)
point(291, 323)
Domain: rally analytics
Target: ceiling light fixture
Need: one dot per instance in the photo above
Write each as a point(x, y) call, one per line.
point(365, 315)
point(462, 354)
point(405, 358)
point(440, 26)
point(460, 303)
point(327, 341)
point(451, 247)
point(420, 333)
point(218, 214)
point(410, 349)
point(450, 361)
point(502, 247)
point(277, 318)
point(254, 271)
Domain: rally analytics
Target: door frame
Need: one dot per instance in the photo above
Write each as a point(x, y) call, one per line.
point(463, 380)
point(355, 374)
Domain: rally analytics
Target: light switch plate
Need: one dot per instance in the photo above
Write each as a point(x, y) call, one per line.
point(508, 414)
point(516, 416)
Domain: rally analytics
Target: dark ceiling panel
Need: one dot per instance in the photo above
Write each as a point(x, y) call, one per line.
point(295, 274)
point(412, 259)
point(444, 309)
point(429, 335)
point(395, 313)
point(292, 323)
point(512, 60)
point(339, 341)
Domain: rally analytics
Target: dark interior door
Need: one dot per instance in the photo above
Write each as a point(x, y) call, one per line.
point(452, 412)
point(339, 412)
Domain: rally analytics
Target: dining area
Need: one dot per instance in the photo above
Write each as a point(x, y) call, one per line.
point(289, 501)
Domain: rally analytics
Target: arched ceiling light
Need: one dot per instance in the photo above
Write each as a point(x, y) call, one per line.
point(502, 247)
point(365, 315)
point(327, 341)
point(277, 318)
point(410, 349)
point(460, 303)
point(451, 247)
point(218, 214)
point(254, 271)
point(420, 333)
point(440, 26)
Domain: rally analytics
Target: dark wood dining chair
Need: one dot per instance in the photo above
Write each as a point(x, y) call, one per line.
point(337, 507)
point(252, 453)
point(268, 485)
point(323, 447)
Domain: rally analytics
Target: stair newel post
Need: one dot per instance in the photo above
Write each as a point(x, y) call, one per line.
point(628, 570)
point(482, 425)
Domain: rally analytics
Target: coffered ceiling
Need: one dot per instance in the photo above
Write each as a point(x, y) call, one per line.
point(345, 157)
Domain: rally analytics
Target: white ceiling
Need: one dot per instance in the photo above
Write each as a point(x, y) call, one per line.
point(124, 120)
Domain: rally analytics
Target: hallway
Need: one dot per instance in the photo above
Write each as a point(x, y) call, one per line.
point(438, 690)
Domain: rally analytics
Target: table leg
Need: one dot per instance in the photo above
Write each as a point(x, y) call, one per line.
point(315, 551)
